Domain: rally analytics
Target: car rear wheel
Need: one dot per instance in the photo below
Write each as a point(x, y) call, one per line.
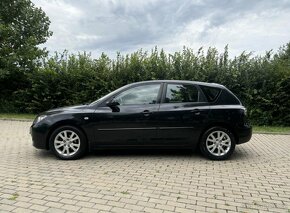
point(68, 143)
point(217, 143)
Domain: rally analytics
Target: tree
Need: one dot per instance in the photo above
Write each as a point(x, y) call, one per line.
point(22, 28)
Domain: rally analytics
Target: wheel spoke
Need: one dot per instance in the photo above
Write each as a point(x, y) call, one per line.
point(222, 136)
point(67, 150)
point(219, 151)
point(73, 139)
point(210, 146)
point(211, 140)
point(213, 148)
point(62, 136)
point(63, 151)
point(75, 145)
point(72, 135)
point(227, 144)
point(218, 134)
point(60, 145)
point(212, 137)
point(73, 148)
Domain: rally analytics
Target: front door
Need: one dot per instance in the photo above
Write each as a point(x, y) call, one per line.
point(133, 121)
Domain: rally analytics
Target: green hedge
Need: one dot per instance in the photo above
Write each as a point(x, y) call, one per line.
point(262, 83)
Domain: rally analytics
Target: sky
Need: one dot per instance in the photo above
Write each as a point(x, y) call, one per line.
point(125, 26)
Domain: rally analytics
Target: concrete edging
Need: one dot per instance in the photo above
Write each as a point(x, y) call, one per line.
point(273, 133)
point(16, 119)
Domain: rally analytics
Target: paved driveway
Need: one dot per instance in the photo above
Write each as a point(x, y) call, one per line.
point(256, 179)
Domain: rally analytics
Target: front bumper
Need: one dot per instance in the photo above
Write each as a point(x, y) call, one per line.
point(38, 138)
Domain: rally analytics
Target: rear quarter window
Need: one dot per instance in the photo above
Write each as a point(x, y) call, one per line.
point(227, 98)
point(211, 93)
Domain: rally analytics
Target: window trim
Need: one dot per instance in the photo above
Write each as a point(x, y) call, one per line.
point(201, 96)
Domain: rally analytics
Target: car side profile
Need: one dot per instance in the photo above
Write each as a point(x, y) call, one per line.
point(150, 114)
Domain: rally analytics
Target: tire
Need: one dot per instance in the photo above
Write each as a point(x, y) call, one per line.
point(68, 143)
point(217, 143)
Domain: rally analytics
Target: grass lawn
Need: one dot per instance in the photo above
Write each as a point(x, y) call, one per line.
point(16, 116)
point(256, 129)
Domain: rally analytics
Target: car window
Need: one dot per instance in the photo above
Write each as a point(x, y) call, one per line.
point(211, 92)
point(178, 93)
point(146, 94)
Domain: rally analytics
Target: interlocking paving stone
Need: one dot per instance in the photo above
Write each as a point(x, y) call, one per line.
point(255, 179)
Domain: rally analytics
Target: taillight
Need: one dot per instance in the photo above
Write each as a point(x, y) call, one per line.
point(245, 111)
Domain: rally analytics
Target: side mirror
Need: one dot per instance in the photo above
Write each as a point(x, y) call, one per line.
point(113, 105)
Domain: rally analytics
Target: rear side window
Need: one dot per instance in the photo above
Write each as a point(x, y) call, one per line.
point(179, 93)
point(227, 98)
point(211, 93)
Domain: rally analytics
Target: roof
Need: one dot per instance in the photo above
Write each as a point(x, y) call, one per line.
point(183, 81)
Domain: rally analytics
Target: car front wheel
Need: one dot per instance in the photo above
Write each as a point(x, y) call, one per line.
point(217, 143)
point(68, 143)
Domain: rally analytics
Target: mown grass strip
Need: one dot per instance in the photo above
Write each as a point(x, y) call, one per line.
point(16, 116)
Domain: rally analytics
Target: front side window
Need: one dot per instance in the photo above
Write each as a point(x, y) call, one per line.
point(179, 93)
point(145, 94)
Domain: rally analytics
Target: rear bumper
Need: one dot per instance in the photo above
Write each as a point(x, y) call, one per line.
point(244, 134)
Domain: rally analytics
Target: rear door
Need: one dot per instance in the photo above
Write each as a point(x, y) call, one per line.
point(182, 113)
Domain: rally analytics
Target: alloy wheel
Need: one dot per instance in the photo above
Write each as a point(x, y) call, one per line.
point(218, 143)
point(67, 143)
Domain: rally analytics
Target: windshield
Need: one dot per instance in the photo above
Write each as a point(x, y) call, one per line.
point(108, 95)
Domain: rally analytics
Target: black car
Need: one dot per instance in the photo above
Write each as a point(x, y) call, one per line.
point(149, 114)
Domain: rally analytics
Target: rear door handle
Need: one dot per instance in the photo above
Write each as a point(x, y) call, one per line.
point(195, 111)
point(146, 113)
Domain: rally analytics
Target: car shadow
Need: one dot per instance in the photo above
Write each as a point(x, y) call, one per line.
point(148, 153)
point(142, 152)
point(45, 154)
point(243, 155)
point(238, 154)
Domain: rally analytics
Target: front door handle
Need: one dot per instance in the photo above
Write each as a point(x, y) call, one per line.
point(196, 111)
point(146, 113)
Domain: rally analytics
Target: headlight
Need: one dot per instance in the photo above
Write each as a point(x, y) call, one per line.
point(40, 118)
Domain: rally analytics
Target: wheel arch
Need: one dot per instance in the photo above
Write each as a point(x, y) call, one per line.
point(60, 124)
point(219, 124)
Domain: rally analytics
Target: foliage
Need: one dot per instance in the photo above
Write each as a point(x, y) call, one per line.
point(22, 28)
point(262, 82)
